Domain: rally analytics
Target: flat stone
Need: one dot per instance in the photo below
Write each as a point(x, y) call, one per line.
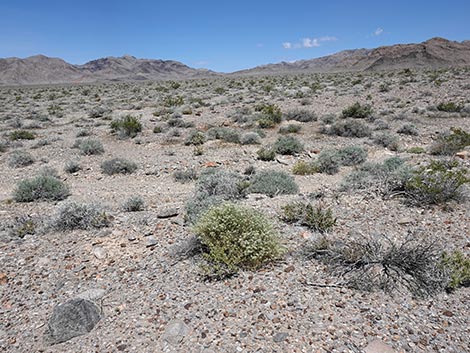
point(92, 294)
point(74, 318)
point(151, 241)
point(378, 346)
point(405, 220)
point(99, 252)
point(168, 213)
point(280, 336)
point(175, 332)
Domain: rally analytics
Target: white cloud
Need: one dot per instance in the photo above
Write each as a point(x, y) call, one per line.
point(308, 42)
point(378, 31)
point(287, 45)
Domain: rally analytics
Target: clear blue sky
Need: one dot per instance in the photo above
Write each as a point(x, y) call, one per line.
point(221, 35)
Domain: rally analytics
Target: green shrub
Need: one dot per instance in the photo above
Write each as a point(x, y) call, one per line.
point(304, 168)
point(352, 155)
point(301, 115)
point(328, 162)
point(387, 140)
point(89, 147)
point(73, 215)
point(449, 143)
point(185, 176)
point(250, 138)
point(317, 218)
point(127, 126)
point(22, 135)
point(20, 159)
point(449, 107)
point(270, 112)
point(118, 166)
point(266, 154)
point(236, 238)
point(271, 183)
point(195, 138)
point(436, 182)
point(72, 167)
point(416, 150)
point(224, 134)
point(134, 204)
point(348, 128)
point(357, 111)
point(24, 225)
point(41, 188)
point(290, 129)
point(288, 145)
point(408, 129)
point(458, 266)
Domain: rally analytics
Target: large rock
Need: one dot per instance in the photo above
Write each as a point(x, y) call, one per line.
point(71, 319)
point(378, 346)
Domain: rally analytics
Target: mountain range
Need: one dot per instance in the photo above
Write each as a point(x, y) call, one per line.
point(39, 69)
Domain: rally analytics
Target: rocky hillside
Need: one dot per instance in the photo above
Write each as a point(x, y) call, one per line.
point(41, 69)
point(433, 53)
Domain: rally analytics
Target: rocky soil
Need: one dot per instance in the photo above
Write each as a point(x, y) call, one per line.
point(151, 298)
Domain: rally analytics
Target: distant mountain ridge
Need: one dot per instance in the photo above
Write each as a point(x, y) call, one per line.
point(40, 69)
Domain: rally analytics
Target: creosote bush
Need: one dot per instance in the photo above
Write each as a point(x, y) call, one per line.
point(22, 135)
point(459, 268)
point(118, 166)
point(317, 218)
point(449, 107)
point(127, 126)
point(43, 187)
point(357, 111)
point(272, 183)
point(236, 238)
point(74, 215)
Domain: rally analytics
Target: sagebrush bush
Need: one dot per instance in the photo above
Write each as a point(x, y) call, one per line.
point(408, 129)
point(236, 238)
point(20, 159)
point(301, 115)
point(41, 188)
point(266, 154)
point(436, 182)
point(269, 112)
point(290, 129)
point(357, 111)
point(387, 140)
point(22, 135)
point(118, 166)
point(304, 168)
point(328, 162)
point(134, 204)
point(224, 134)
point(127, 126)
point(185, 176)
point(352, 155)
point(288, 145)
point(458, 265)
point(24, 225)
point(89, 147)
point(450, 142)
point(72, 167)
point(272, 183)
point(449, 107)
point(250, 138)
point(348, 128)
point(317, 218)
point(73, 215)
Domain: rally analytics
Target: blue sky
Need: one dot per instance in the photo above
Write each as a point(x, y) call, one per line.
point(221, 35)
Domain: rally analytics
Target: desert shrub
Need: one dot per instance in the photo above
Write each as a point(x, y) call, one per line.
point(264, 123)
point(450, 142)
point(378, 263)
point(20, 159)
point(386, 140)
point(290, 129)
point(72, 167)
point(43, 187)
point(134, 204)
point(213, 188)
point(382, 178)
point(22, 135)
point(270, 112)
point(271, 183)
point(224, 134)
point(352, 155)
point(185, 176)
point(24, 225)
point(348, 128)
point(236, 238)
point(177, 121)
point(436, 182)
point(266, 154)
point(158, 129)
point(381, 125)
point(300, 115)
point(416, 150)
point(304, 168)
point(328, 162)
point(4, 146)
point(195, 138)
point(73, 215)
point(89, 147)
point(458, 265)
point(318, 218)
point(357, 111)
point(408, 129)
point(250, 138)
point(127, 126)
point(449, 107)
point(118, 166)
point(288, 145)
